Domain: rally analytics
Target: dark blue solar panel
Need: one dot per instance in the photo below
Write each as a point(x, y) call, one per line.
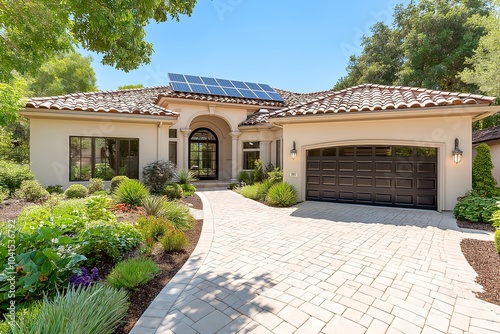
point(232, 92)
point(202, 89)
point(176, 77)
point(222, 87)
point(180, 87)
point(275, 97)
point(262, 95)
point(266, 88)
point(253, 86)
point(209, 81)
point(248, 93)
point(194, 79)
point(225, 83)
point(216, 90)
point(239, 84)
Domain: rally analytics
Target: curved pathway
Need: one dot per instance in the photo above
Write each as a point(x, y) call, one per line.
point(322, 268)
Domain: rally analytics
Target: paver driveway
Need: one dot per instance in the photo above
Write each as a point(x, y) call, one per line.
point(322, 268)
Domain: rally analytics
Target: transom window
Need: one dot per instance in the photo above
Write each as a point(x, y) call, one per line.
point(104, 158)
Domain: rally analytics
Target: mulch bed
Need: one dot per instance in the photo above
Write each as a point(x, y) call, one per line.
point(169, 265)
point(11, 208)
point(484, 259)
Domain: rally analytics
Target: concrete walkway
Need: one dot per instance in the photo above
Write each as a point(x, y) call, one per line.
point(322, 268)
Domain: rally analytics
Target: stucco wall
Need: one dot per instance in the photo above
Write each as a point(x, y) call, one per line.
point(49, 144)
point(453, 180)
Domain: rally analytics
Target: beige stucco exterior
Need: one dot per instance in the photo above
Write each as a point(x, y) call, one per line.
point(429, 127)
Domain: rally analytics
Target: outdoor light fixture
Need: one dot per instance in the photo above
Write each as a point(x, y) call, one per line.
point(457, 153)
point(293, 151)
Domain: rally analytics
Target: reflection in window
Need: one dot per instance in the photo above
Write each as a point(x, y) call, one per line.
point(330, 152)
point(383, 151)
point(346, 151)
point(103, 158)
point(314, 153)
point(426, 151)
point(403, 151)
point(251, 152)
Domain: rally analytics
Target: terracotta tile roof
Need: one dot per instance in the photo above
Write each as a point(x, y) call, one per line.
point(370, 97)
point(132, 101)
point(482, 136)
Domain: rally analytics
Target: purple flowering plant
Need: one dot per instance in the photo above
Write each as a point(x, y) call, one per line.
point(84, 278)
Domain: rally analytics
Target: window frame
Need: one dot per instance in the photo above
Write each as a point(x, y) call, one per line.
point(93, 156)
point(173, 141)
point(250, 150)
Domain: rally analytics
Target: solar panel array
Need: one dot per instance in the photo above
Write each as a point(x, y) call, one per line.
point(222, 87)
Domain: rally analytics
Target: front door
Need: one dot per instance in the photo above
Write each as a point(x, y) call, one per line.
point(203, 154)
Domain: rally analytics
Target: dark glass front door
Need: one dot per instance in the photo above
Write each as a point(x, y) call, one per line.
point(203, 154)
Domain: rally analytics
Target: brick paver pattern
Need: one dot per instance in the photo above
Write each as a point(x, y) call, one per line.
point(324, 268)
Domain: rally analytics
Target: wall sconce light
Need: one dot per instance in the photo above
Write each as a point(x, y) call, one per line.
point(293, 151)
point(457, 153)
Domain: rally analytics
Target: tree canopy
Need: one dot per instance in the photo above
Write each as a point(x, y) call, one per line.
point(34, 31)
point(427, 46)
point(64, 74)
point(131, 86)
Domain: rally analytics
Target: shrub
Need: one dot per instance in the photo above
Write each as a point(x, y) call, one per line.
point(188, 189)
point(183, 176)
point(476, 209)
point(173, 191)
point(115, 182)
point(178, 214)
point(131, 192)
point(84, 278)
point(32, 191)
point(55, 189)
point(157, 174)
point(152, 228)
point(103, 240)
point(131, 273)
point(12, 175)
point(76, 191)
point(250, 191)
point(263, 189)
point(497, 240)
point(95, 184)
point(98, 308)
point(233, 186)
point(482, 179)
point(4, 194)
point(44, 259)
point(275, 176)
point(154, 205)
point(103, 171)
point(244, 177)
point(98, 207)
point(282, 194)
point(174, 242)
point(258, 171)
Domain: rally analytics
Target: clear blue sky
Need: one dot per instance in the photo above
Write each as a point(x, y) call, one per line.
point(295, 45)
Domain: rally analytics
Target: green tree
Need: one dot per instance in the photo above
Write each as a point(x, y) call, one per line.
point(131, 86)
point(483, 181)
point(427, 46)
point(64, 74)
point(33, 31)
point(379, 62)
point(485, 62)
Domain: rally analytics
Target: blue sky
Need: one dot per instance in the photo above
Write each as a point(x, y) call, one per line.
point(295, 45)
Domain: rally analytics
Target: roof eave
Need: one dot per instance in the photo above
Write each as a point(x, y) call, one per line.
point(477, 112)
point(65, 114)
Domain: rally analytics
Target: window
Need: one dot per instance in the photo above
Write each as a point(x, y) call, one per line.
point(172, 146)
point(279, 155)
point(103, 158)
point(251, 152)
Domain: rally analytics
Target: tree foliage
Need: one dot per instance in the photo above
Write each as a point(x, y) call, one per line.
point(427, 46)
point(131, 86)
point(485, 62)
point(64, 74)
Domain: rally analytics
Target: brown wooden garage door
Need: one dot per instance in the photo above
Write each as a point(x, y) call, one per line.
point(401, 176)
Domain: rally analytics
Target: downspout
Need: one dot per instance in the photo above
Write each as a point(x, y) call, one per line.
point(158, 140)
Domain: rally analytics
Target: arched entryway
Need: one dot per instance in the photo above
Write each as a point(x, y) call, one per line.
point(204, 154)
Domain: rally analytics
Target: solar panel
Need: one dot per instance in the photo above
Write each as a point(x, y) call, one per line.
point(222, 87)
point(176, 77)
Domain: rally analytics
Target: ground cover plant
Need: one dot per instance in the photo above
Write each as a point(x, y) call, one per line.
point(131, 273)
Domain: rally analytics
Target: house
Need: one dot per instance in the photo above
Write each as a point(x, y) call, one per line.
point(369, 144)
point(490, 136)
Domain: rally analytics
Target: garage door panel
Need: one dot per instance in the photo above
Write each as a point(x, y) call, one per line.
point(382, 175)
